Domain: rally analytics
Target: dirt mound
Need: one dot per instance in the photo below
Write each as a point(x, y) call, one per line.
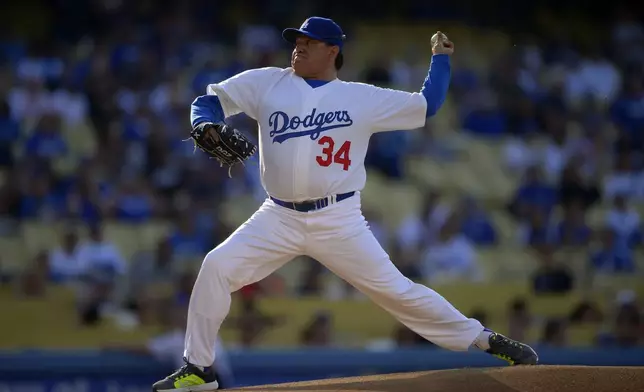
point(507, 379)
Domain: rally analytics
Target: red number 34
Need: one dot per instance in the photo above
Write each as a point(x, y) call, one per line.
point(328, 156)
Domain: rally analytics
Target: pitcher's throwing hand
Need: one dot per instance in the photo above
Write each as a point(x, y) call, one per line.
point(441, 44)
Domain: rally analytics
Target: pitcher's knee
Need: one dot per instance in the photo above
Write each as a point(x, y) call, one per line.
point(217, 264)
point(226, 266)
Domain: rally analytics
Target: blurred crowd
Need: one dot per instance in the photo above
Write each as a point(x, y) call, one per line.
point(94, 117)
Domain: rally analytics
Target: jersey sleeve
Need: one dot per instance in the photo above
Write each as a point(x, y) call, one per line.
point(393, 110)
point(243, 92)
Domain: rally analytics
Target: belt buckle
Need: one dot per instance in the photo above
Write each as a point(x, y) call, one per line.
point(303, 206)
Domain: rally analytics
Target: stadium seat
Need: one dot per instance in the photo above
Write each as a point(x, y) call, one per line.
point(596, 216)
point(39, 236)
point(81, 139)
point(427, 172)
point(506, 228)
point(609, 285)
point(13, 254)
point(237, 211)
point(151, 233)
point(126, 237)
point(404, 199)
point(582, 335)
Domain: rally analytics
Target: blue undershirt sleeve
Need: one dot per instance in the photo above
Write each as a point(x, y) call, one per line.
point(437, 83)
point(206, 108)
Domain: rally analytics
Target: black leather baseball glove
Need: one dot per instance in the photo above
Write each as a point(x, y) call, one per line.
point(223, 143)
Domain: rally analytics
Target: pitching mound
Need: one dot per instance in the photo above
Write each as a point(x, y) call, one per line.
point(507, 379)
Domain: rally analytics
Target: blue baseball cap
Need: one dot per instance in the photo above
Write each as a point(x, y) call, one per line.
point(321, 29)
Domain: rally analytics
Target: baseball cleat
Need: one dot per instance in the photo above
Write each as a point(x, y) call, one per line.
point(511, 351)
point(188, 378)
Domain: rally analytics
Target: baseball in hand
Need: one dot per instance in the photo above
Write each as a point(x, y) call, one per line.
point(436, 36)
point(441, 44)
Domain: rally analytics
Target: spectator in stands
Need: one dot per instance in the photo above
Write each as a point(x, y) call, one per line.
point(188, 242)
point(165, 174)
point(40, 199)
point(319, 331)
point(519, 319)
point(378, 73)
point(485, 117)
point(556, 153)
point(586, 312)
point(594, 153)
point(136, 127)
point(134, 202)
point(87, 194)
point(452, 256)
point(551, 91)
point(151, 271)
point(613, 256)
point(46, 140)
point(100, 254)
point(627, 35)
point(521, 153)
point(572, 229)
point(185, 280)
point(626, 331)
point(96, 293)
point(533, 192)
point(551, 277)
point(624, 180)
point(573, 189)
point(9, 134)
point(29, 99)
point(523, 125)
point(5, 276)
point(624, 110)
point(387, 152)
point(418, 231)
point(11, 201)
point(537, 230)
point(593, 75)
point(33, 280)
point(554, 333)
point(311, 283)
point(251, 322)
point(65, 265)
point(624, 221)
point(477, 225)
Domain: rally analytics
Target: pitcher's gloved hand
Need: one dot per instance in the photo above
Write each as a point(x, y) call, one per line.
point(441, 44)
point(223, 143)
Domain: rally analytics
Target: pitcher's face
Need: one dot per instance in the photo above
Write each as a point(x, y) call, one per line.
point(311, 57)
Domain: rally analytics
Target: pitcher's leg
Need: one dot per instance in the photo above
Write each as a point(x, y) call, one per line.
point(360, 260)
point(255, 250)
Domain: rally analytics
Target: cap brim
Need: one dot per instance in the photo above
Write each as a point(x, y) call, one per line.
point(290, 35)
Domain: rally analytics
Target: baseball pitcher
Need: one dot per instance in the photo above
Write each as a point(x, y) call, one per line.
point(314, 130)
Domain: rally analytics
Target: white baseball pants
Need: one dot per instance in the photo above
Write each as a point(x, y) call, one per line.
point(338, 237)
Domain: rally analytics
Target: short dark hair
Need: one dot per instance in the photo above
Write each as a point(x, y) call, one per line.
point(339, 61)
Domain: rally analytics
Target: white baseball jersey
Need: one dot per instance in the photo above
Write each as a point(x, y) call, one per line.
point(313, 141)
